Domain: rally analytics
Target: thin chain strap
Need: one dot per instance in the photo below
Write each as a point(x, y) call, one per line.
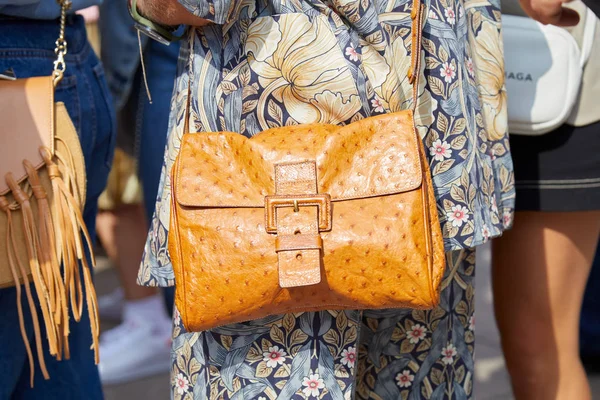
point(61, 43)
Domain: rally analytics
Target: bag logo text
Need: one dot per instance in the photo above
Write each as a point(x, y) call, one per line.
point(519, 76)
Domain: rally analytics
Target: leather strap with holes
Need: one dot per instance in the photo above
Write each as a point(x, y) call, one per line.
point(298, 243)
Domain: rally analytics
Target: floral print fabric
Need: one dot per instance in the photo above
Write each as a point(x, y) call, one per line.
point(381, 354)
point(267, 63)
point(272, 63)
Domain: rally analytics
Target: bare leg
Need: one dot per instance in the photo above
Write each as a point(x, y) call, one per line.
point(540, 269)
point(123, 234)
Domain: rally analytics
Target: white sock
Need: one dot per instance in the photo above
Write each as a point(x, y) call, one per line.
point(150, 310)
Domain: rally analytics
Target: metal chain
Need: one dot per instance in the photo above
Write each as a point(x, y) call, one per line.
point(61, 43)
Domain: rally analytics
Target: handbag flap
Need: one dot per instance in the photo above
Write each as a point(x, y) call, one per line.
point(27, 117)
point(370, 157)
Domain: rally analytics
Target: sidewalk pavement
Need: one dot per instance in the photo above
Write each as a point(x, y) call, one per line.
point(491, 377)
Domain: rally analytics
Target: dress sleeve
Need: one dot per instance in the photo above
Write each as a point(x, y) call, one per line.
point(217, 11)
point(156, 268)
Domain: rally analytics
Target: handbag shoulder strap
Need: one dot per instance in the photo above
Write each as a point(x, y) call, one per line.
point(61, 43)
point(414, 73)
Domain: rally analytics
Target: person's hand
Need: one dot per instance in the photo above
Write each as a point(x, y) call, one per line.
point(168, 12)
point(550, 12)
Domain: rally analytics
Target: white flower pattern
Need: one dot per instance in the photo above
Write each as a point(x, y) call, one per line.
point(448, 354)
point(352, 53)
point(448, 72)
point(440, 150)
point(450, 15)
point(458, 215)
point(349, 356)
point(405, 379)
point(377, 104)
point(182, 384)
point(485, 233)
point(275, 356)
point(416, 333)
point(313, 384)
point(470, 67)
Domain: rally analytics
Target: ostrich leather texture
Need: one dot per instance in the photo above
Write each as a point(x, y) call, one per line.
point(304, 218)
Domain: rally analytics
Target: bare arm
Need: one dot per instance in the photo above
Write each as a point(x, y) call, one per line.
point(168, 12)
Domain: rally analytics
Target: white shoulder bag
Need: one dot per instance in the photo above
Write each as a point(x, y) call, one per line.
point(544, 67)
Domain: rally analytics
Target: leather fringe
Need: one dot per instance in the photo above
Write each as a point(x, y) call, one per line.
point(65, 190)
point(56, 247)
point(48, 256)
point(12, 256)
point(40, 277)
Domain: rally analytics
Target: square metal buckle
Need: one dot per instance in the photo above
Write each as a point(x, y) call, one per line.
point(321, 201)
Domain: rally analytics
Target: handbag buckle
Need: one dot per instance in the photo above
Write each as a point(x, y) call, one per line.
point(321, 201)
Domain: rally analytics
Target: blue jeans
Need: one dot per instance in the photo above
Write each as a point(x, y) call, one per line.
point(153, 119)
point(152, 125)
point(27, 46)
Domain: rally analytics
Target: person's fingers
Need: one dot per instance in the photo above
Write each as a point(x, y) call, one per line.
point(550, 12)
point(567, 17)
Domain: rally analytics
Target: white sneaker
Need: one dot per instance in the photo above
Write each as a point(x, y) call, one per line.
point(133, 350)
point(110, 306)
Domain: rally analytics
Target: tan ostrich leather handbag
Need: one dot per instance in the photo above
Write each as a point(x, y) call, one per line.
point(305, 218)
point(43, 238)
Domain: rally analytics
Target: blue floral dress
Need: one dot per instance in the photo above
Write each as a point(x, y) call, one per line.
point(269, 63)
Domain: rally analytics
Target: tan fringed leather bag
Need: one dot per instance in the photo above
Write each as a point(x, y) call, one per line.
point(43, 238)
point(305, 218)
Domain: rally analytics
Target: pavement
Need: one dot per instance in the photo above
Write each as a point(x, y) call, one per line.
point(491, 382)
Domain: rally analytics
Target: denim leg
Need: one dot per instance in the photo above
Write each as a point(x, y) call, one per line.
point(26, 46)
point(153, 119)
point(12, 349)
point(152, 125)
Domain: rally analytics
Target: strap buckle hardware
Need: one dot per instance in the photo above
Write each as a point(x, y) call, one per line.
point(322, 201)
